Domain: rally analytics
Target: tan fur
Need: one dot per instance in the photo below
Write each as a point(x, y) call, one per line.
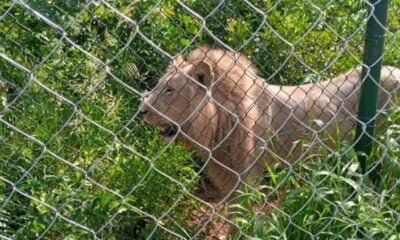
point(238, 123)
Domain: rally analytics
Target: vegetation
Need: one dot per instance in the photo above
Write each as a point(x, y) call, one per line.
point(77, 162)
point(330, 200)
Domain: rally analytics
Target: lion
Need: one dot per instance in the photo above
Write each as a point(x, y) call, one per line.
point(214, 102)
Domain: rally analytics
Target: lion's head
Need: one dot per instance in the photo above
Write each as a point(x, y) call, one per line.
point(188, 96)
point(207, 102)
point(180, 96)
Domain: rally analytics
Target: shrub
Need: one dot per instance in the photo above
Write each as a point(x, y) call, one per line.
point(326, 197)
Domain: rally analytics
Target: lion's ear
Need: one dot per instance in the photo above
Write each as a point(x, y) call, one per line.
point(178, 60)
point(203, 73)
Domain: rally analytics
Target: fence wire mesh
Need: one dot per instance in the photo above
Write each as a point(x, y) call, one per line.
point(193, 120)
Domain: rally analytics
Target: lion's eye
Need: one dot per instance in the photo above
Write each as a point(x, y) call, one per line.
point(168, 91)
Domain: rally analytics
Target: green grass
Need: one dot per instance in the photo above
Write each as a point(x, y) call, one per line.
point(326, 196)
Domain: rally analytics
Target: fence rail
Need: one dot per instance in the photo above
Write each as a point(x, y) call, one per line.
point(192, 119)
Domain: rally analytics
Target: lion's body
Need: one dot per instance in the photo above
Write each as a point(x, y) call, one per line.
point(238, 123)
point(299, 111)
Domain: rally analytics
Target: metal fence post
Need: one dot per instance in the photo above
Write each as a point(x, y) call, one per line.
point(373, 52)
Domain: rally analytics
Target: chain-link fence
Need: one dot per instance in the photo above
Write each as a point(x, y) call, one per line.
point(194, 120)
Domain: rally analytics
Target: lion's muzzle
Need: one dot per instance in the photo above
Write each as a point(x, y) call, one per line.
point(143, 107)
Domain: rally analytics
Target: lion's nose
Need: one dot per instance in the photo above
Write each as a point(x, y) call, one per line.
point(145, 94)
point(143, 112)
point(143, 109)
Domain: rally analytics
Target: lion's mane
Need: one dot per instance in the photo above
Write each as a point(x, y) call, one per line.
point(233, 147)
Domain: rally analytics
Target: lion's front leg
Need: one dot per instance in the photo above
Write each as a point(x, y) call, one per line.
point(224, 180)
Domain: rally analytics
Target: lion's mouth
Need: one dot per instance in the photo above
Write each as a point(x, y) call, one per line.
point(169, 131)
